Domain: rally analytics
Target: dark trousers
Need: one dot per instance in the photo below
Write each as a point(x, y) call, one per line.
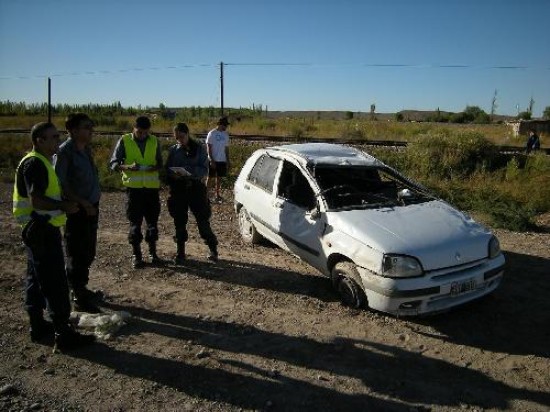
point(191, 196)
point(143, 204)
point(80, 247)
point(46, 283)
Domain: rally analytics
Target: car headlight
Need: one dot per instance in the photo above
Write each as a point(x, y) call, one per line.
point(494, 248)
point(399, 266)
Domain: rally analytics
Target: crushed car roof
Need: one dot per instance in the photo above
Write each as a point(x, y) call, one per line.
point(328, 153)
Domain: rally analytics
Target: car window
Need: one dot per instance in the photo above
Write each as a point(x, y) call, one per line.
point(294, 187)
point(263, 172)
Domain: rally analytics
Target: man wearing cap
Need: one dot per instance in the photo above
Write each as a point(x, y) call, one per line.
point(217, 146)
point(38, 206)
point(137, 156)
point(186, 172)
point(79, 180)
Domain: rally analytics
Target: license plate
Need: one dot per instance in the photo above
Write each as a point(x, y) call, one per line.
point(458, 288)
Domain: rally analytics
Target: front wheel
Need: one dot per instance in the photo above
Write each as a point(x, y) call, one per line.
point(347, 282)
point(247, 229)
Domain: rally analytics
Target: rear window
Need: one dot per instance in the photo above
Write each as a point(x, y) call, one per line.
point(263, 172)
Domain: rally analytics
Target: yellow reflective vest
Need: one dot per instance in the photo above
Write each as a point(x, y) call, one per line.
point(138, 179)
point(22, 207)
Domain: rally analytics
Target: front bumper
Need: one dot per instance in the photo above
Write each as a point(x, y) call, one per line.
point(436, 291)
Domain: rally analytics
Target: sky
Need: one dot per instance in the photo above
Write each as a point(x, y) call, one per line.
point(281, 55)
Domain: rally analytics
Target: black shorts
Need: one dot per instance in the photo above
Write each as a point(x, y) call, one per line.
point(220, 170)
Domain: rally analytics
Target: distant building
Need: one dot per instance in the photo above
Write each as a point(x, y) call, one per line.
point(522, 127)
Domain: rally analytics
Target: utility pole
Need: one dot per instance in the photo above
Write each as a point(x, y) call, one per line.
point(221, 88)
point(49, 100)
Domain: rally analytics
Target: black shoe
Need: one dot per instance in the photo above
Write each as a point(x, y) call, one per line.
point(69, 340)
point(40, 330)
point(213, 256)
point(93, 295)
point(180, 260)
point(137, 262)
point(85, 305)
point(154, 259)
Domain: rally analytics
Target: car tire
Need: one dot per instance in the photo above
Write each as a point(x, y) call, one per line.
point(247, 229)
point(347, 281)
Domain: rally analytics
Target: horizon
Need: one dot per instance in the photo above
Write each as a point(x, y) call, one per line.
point(287, 56)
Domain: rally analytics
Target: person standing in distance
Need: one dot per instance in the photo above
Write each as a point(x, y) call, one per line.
point(186, 173)
point(137, 156)
point(40, 210)
point(79, 180)
point(533, 142)
point(217, 146)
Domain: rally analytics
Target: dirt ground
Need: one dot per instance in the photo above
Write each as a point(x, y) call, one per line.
point(260, 330)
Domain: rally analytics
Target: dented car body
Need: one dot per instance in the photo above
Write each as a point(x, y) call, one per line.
point(383, 240)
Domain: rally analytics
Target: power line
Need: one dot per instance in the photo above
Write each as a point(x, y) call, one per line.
point(275, 64)
point(93, 73)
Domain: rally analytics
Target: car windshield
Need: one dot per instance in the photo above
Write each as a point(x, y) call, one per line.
point(353, 187)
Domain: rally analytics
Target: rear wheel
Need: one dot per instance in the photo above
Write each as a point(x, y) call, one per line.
point(247, 228)
point(347, 282)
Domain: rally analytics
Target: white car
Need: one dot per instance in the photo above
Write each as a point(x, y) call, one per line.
point(384, 240)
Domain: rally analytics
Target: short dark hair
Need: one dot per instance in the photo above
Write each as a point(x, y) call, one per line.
point(181, 127)
point(74, 120)
point(223, 121)
point(142, 122)
point(39, 130)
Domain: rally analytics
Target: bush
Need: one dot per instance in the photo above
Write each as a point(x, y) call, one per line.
point(448, 155)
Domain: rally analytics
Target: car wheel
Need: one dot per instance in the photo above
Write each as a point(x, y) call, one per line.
point(347, 281)
point(247, 229)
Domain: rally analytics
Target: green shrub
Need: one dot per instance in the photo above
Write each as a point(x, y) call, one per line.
point(450, 155)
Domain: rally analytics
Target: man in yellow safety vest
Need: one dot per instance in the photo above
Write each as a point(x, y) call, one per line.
point(137, 156)
point(39, 208)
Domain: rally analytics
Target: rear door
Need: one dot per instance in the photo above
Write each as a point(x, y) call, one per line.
point(261, 202)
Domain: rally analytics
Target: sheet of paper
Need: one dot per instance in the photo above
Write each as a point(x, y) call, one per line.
point(182, 171)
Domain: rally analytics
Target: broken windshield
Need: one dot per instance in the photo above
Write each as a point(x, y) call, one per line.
point(352, 187)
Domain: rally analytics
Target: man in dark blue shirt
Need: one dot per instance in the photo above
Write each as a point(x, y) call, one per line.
point(186, 173)
point(78, 176)
point(533, 142)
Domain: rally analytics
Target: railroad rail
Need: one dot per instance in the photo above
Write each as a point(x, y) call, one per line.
point(290, 139)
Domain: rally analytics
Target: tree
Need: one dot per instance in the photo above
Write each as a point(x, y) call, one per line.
point(524, 116)
point(473, 114)
point(531, 104)
point(546, 113)
point(494, 104)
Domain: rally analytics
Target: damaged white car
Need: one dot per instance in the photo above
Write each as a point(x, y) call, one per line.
point(384, 240)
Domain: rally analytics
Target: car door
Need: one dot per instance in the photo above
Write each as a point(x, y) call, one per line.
point(261, 201)
point(299, 228)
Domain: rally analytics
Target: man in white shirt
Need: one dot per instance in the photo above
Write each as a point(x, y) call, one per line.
point(217, 147)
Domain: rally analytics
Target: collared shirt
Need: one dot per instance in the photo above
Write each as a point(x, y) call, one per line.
point(119, 154)
point(77, 171)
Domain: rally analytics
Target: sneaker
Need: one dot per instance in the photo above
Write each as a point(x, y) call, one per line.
point(180, 260)
point(69, 340)
point(40, 330)
point(137, 262)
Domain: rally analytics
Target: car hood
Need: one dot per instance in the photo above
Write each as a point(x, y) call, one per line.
point(434, 232)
